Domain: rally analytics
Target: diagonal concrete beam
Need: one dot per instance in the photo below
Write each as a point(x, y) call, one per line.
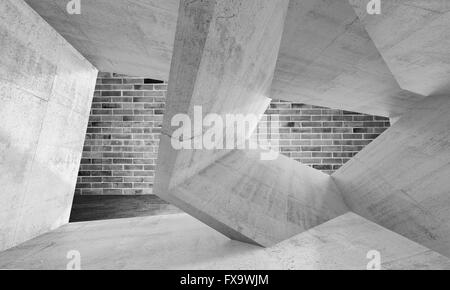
point(328, 59)
point(260, 202)
point(414, 40)
point(223, 64)
point(224, 58)
point(401, 180)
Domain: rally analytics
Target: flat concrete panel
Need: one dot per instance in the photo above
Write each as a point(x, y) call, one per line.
point(51, 185)
point(46, 92)
point(133, 37)
point(27, 50)
point(414, 39)
point(181, 242)
point(401, 180)
point(22, 115)
point(74, 82)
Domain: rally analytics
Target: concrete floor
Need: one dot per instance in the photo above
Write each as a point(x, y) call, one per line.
point(181, 242)
point(104, 207)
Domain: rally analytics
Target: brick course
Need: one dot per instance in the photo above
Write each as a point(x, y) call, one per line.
point(121, 146)
point(321, 137)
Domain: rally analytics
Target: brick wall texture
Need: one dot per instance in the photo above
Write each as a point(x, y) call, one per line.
point(121, 145)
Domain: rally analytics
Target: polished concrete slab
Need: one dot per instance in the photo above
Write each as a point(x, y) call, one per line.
point(181, 242)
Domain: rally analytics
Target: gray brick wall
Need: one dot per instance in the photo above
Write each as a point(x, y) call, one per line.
point(323, 138)
point(121, 146)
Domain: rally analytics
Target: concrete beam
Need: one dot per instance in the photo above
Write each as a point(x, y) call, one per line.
point(259, 202)
point(401, 180)
point(46, 90)
point(414, 40)
point(328, 59)
point(224, 58)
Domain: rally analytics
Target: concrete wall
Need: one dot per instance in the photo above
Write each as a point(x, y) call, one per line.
point(46, 88)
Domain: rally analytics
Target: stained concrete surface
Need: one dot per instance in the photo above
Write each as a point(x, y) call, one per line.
point(401, 180)
point(46, 90)
point(181, 242)
point(133, 37)
point(266, 201)
point(414, 40)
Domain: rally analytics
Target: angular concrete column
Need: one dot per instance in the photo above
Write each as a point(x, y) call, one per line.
point(224, 59)
point(46, 89)
point(401, 180)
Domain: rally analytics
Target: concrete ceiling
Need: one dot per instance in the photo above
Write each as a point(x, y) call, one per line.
point(414, 39)
point(326, 56)
point(133, 37)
